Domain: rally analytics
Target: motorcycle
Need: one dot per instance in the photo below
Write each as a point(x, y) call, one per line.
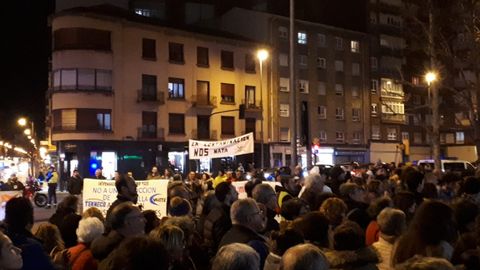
point(32, 192)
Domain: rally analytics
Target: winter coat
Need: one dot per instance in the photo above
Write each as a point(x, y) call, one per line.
point(67, 222)
point(216, 224)
point(105, 244)
point(361, 259)
point(75, 185)
point(81, 258)
point(272, 262)
point(33, 255)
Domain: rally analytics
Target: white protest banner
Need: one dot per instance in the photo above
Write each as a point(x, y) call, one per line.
point(240, 187)
point(217, 149)
point(152, 195)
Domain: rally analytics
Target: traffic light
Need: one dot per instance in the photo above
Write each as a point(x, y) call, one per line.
point(241, 111)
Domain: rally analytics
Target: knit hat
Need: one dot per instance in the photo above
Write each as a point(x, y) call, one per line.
point(179, 207)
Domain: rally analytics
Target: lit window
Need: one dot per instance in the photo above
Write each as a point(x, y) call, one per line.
point(322, 112)
point(339, 113)
point(391, 134)
point(303, 86)
point(339, 89)
point(284, 110)
point(459, 137)
point(284, 134)
point(374, 109)
point(284, 84)
point(355, 46)
point(302, 37)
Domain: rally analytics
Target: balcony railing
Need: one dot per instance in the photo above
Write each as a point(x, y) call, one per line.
point(148, 96)
point(148, 134)
point(203, 101)
point(212, 135)
point(256, 105)
point(395, 118)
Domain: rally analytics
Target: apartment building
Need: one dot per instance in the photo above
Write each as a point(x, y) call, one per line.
point(331, 84)
point(127, 92)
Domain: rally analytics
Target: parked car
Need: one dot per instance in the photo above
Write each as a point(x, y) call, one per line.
point(448, 165)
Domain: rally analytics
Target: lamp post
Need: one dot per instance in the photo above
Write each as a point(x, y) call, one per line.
point(431, 77)
point(262, 55)
point(30, 133)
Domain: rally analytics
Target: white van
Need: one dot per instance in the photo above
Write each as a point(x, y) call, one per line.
point(448, 165)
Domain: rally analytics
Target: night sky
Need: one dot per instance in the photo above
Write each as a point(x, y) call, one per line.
point(26, 48)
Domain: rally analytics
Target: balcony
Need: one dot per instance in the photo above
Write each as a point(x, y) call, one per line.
point(151, 97)
point(255, 106)
point(145, 134)
point(392, 94)
point(203, 102)
point(212, 135)
point(393, 118)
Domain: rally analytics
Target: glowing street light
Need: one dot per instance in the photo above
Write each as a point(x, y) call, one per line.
point(22, 121)
point(27, 132)
point(430, 77)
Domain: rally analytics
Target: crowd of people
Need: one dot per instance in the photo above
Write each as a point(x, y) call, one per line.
point(380, 217)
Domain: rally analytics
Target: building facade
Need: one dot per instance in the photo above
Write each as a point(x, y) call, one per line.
point(128, 92)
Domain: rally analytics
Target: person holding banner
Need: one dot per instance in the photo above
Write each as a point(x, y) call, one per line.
point(154, 174)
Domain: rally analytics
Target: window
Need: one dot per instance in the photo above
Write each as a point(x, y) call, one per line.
point(81, 38)
point(374, 109)
point(82, 79)
point(321, 40)
point(322, 112)
point(303, 86)
point(283, 59)
point(373, 63)
point(405, 135)
point(249, 63)
point(459, 137)
point(302, 60)
point(65, 119)
point(391, 134)
point(355, 46)
point(302, 37)
point(356, 114)
point(356, 137)
point(321, 62)
point(415, 80)
point(94, 120)
point(322, 89)
point(176, 88)
point(374, 86)
point(417, 137)
point(277, 160)
point(339, 113)
point(284, 134)
point(284, 110)
point(355, 69)
point(339, 136)
point(148, 48)
point(149, 125)
point(339, 89)
point(202, 57)
point(283, 32)
point(175, 52)
point(228, 92)
point(227, 59)
point(355, 92)
point(176, 123)
point(149, 87)
point(338, 65)
point(284, 85)
point(228, 125)
point(323, 136)
point(338, 43)
point(250, 96)
point(375, 133)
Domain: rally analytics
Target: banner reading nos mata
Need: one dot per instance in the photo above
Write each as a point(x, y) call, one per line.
point(218, 149)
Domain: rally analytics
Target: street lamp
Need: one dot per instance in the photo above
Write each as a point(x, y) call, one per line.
point(431, 77)
point(262, 55)
point(30, 133)
point(22, 121)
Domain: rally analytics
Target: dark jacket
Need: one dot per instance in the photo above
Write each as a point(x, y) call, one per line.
point(272, 223)
point(120, 199)
point(67, 222)
point(75, 185)
point(216, 224)
point(357, 212)
point(361, 259)
point(33, 255)
point(105, 244)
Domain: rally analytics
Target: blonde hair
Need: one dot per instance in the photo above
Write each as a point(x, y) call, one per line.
point(50, 236)
point(334, 210)
point(172, 237)
point(94, 212)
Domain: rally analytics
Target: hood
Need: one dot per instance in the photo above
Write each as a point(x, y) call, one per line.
point(352, 258)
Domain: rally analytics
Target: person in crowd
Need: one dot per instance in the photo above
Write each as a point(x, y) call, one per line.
point(221, 177)
point(471, 189)
point(337, 178)
point(265, 195)
point(99, 174)
point(250, 185)
point(127, 192)
point(151, 220)
point(154, 174)
point(236, 256)
point(294, 208)
point(335, 210)
point(81, 257)
point(94, 212)
point(167, 174)
point(425, 263)
point(289, 189)
point(18, 221)
point(14, 184)
point(414, 182)
point(374, 189)
point(240, 175)
point(126, 221)
point(392, 224)
point(350, 251)
point(314, 226)
point(354, 197)
point(66, 219)
point(468, 245)
point(430, 233)
point(140, 252)
point(206, 182)
point(218, 221)
point(281, 241)
point(314, 186)
point(448, 186)
point(305, 257)
point(52, 241)
point(180, 207)
point(373, 231)
point(10, 255)
point(465, 213)
point(75, 187)
point(52, 180)
point(405, 201)
point(247, 221)
point(173, 239)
